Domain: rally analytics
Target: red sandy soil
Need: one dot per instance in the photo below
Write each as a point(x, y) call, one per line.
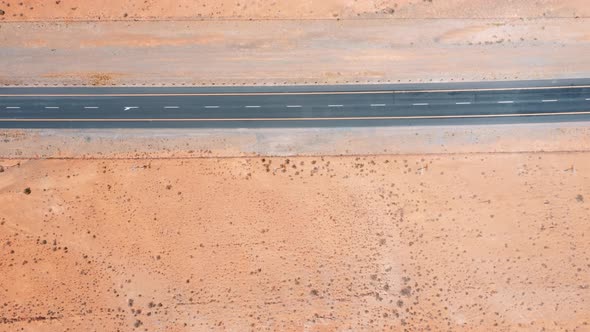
point(460, 242)
point(18, 10)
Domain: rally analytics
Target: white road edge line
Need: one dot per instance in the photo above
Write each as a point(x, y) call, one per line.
point(293, 106)
point(548, 100)
point(463, 103)
point(505, 115)
point(420, 104)
point(212, 106)
point(300, 93)
point(171, 107)
point(506, 102)
point(377, 105)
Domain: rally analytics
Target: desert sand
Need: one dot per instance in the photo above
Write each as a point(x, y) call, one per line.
point(42, 10)
point(402, 229)
point(449, 242)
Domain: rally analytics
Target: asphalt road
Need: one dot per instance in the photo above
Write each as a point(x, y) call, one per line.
point(311, 106)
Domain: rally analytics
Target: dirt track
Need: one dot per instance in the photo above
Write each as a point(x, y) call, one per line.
point(292, 52)
point(266, 42)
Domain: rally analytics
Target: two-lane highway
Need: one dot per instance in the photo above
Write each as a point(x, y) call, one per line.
point(310, 106)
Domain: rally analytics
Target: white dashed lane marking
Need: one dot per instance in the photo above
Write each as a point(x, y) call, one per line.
point(126, 108)
point(299, 119)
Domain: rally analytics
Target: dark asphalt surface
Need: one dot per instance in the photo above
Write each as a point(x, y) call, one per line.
point(311, 106)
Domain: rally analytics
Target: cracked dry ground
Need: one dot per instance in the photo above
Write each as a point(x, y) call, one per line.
point(441, 242)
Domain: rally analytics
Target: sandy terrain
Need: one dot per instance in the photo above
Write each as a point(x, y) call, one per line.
point(300, 243)
point(292, 52)
point(21, 10)
point(461, 229)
